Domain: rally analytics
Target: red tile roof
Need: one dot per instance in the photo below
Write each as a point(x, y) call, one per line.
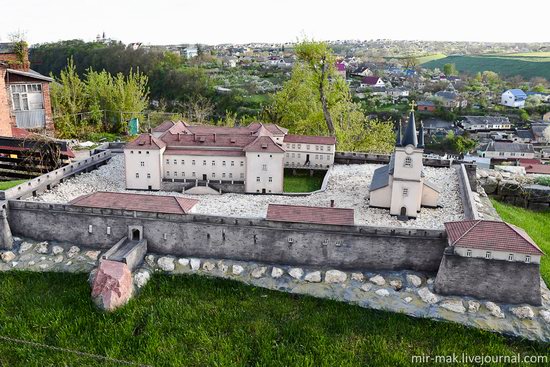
point(328, 140)
point(205, 152)
point(264, 144)
point(543, 169)
point(145, 141)
point(310, 214)
point(137, 202)
point(163, 127)
point(492, 236)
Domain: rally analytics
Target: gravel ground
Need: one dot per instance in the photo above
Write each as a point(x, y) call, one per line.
point(348, 186)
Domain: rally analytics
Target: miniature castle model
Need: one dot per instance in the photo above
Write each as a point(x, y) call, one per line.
point(250, 158)
point(400, 186)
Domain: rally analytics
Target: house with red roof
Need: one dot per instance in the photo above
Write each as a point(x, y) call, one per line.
point(246, 158)
point(372, 82)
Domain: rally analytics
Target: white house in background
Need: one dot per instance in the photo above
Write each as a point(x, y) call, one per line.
point(400, 186)
point(486, 123)
point(372, 82)
point(513, 98)
point(254, 156)
point(506, 150)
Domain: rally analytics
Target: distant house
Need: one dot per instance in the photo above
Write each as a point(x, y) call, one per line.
point(398, 92)
point(24, 95)
point(434, 126)
point(535, 134)
point(485, 123)
point(538, 169)
point(427, 106)
point(513, 98)
point(340, 69)
point(451, 99)
point(366, 72)
point(372, 82)
point(506, 150)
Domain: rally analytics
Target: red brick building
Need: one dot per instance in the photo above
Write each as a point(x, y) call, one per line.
point(24, 95)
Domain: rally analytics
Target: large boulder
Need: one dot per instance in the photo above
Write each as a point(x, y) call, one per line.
point(489, 185)
point(112, 285)
point(509, 188)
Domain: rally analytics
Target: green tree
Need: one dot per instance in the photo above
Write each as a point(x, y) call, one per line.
point(450, 69)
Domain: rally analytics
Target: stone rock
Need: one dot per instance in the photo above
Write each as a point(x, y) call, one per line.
point(56, 250)
point(183, 262)
point(508, 187)
point(14, 264)
point(483, 173)
point(407, 299)
point(366, 287)
point(454, 305)
point(490, 185)
point(473, 306)
point(545, 314)
point(396, 284)
point(8, 256)
point(150, 260)
point(415, 280)
point(358, 277)
point(237, 270)
point(222, 266)
point(523, 312)
point(32, 262)
point(313, 277)
point(44, 266)
point(296, 273)
point(259, 272)
point(73, 251)
point(42, 248)
point(494, 310)
point(58, 259)
point(382, 292)
point(276, 272)
point(378, 280)
point(166, 263)
point(208, 266)
point(112, 286)
point(335, 276)
point(141, 278)
point(68, 263)
point(92, 255)
point(430, 281)
point(195, 264)
point(427, 296)
point(25, 246)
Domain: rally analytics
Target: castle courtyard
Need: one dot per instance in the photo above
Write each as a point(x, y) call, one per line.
point(347, 186)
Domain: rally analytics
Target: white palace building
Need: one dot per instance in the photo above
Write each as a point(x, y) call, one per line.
point(253, 157)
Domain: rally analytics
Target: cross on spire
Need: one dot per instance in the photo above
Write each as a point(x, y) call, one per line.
point(413, 105)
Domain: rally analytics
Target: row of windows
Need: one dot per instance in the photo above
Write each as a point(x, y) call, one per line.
point(193, 162)
point(148, 175)
point(488, 255)
point(308, 147)
point(194, 174)
point(294, 164)
point(512, 154)
point(269, 179)
point(299, 155)
point(139, 152)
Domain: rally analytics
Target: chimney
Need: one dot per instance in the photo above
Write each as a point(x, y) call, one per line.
point(179, 137)
point(214, 137)
point(332, 203)
point(150, 139)
point(194, 137)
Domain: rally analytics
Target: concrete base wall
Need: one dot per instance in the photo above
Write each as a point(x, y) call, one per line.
point(345, 247)
point(496, 280)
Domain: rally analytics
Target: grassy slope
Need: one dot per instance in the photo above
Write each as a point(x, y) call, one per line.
point(428, 58)
point(508, 66)
point(195, 321)
point(536, 224)
point(302, 181)
point(4, 185)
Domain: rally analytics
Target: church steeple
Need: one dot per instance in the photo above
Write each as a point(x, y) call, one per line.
point(410, 133)
point(421, 135)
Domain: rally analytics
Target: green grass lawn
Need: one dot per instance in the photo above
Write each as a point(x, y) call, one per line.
point(199, 321)
point(4, 185)
point(536, 224)
point(302, 181)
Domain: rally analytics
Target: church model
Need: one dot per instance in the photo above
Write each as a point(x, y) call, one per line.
point(400, 186)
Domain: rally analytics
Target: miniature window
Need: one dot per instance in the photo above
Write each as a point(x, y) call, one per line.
point(223, 175)
point(148, 175)
point(293, 155)
point(299, 146)
point(183, 161)
point(204, 163)
point(146, 152)
point(230, 175)
point(213, 163)
point(316, 156)
point(213, 174)
point(194, 174)
point(408, 163)
point(511, 257)
point(137, 175)
point(175, 161)
point(488, 255)
point(167, 173)
point(257, 179)
point(242, 163)
point(131, 152)
point(293, 146)
point(328, 148)
point(321, 156)
point(321, 147)
point(264, 167)
point(175, 174)
point(527, 259)
point(299, 155)
point(167, 161)
point(316, 147)
point(223, 163)
point(139, 152)
point(469, 253)
point(143, 164)
point(308, 147)
point(232, 163)
point(183, 174)
point(193, 162)
point(405, 191)
point(271, 179)
point(242, 175)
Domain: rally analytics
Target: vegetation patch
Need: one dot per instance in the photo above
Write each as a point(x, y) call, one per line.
point(536, 224)
point(4, 185)
point(302, 181)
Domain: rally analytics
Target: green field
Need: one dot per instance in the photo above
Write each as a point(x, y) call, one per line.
point(199, 321)
point(527, 65)
point(536, 224)
point(302, 181)
point(426, 58)
point(4, 185)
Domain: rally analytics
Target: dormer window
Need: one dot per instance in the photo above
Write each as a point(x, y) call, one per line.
point(408, 163)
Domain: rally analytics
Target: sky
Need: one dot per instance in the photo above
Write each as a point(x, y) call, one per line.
point(244, 21)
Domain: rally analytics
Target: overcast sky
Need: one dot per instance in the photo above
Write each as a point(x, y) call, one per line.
point(242, 21)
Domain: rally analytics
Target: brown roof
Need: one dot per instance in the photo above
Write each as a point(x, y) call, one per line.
point(310, 214)
point(328, 140)
point(206, 152)
point(163, 127)
point(264, 144)
point(537, 168)
point(492, 236)
point(145, 141)
point(137, 202)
